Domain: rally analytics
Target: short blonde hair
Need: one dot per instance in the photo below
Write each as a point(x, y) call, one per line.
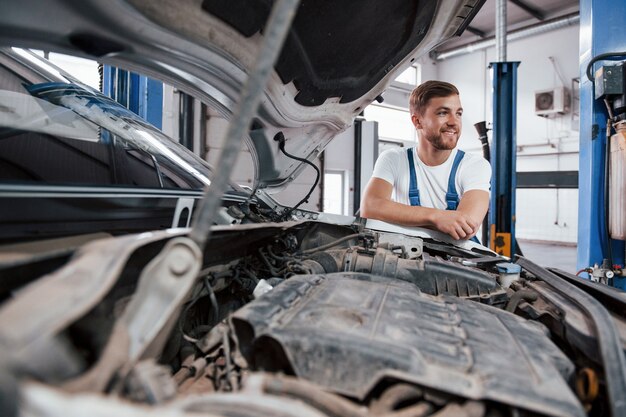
point(421, 95)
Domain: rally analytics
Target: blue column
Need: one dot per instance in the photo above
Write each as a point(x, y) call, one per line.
point(138, 93)
point(151, 101)
point(602, 30)
point(503, 156)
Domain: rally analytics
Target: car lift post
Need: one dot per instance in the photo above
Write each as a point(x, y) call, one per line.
point(138, 93)
point(503, 155)
point(603, 29)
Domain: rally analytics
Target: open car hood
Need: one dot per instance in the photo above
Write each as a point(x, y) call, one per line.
point(337, 59)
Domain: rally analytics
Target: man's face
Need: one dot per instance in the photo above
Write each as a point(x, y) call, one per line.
point(440, 123)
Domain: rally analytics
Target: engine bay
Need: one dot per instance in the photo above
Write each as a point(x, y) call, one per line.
point(339, 320)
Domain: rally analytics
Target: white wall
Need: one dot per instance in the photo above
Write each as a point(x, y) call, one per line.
point(216, 129)
point(428, 68)
point(537, 214)
point(339, 156)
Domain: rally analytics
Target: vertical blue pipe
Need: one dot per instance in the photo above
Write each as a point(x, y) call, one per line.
point(503, 151)
point(602, 30)
point(132, 91)
point(151, 101)
point(108, 80)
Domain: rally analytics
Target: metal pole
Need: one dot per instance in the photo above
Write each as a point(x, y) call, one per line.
point(503, 151)
point(501, 30)
point(523, 33)
point(276, 31)
point(503, 158)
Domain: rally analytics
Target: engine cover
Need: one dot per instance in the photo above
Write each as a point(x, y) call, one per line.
point(348, 331)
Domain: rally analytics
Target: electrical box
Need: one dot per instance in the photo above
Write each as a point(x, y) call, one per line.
point(609, 81)
point(553, 102)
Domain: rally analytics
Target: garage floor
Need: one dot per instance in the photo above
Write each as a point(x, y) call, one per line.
point(550, 255)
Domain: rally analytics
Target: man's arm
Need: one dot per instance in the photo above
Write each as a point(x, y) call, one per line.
point(474, 204)
point(460, 224)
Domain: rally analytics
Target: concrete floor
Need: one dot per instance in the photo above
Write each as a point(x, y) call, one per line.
point(550, 255)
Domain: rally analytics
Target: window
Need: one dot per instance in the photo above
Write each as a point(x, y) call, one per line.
point(335, 193)
point(394, 121)
point(59, 133)
point(412, 75)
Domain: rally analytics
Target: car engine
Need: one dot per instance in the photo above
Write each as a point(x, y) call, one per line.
point(299, 319)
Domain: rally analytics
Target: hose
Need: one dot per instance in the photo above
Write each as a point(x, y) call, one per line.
point(281, 146)
point(421, 409)
point(267, 263)
point(229, 364)
point(214, 305)
point(481, 128)
point(525, 295)
point(469, 409)
point(333, 243)
point(274, 256)
point(329, 404)
point(391, 398)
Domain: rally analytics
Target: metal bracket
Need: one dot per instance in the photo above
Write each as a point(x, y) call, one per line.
point(142, 330)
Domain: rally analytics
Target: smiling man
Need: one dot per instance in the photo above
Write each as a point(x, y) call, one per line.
point(433, 185)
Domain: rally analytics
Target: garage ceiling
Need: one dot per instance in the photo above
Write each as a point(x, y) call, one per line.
point(520, 13)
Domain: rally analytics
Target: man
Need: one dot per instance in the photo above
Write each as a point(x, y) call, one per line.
point(432, 185)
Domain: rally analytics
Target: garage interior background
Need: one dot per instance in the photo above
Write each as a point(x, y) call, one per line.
point(549, 63)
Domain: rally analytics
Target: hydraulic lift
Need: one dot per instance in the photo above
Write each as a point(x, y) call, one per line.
point(603, 39)
point(503, 154)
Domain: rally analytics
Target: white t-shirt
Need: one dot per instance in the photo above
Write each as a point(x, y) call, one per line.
point(474, 173)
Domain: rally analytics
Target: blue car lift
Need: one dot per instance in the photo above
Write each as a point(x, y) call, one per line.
point(503, 155)
point(138, 93)
point(603, 30)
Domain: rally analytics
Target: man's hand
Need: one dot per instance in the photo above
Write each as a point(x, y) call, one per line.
point(457, 224)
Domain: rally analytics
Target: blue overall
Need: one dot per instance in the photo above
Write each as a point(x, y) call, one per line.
point(452, 197)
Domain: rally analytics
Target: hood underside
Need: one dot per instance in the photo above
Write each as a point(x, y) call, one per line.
point(328, 55)
point(338, 56)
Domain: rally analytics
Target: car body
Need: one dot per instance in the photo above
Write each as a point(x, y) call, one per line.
point(76, 162)
point(278, 311)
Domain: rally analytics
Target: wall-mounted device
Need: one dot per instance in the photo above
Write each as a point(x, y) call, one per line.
point(553, 102)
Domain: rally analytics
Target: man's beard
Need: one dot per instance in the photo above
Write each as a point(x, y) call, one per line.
point(439, 143)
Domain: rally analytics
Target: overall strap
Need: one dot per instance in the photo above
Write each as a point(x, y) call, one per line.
point(452, 197)
point(414, 192)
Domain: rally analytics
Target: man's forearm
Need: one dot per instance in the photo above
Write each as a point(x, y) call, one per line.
point(457, 224)
point(475, 204)
point(402, 214)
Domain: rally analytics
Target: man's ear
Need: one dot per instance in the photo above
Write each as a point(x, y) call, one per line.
point(416, 121)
